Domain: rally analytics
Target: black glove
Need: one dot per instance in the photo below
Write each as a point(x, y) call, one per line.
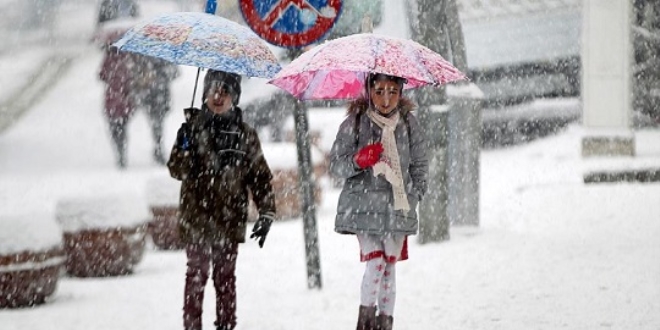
point(261, 228)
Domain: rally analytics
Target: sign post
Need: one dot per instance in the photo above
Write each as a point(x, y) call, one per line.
point(295, 24)
point(211, 6)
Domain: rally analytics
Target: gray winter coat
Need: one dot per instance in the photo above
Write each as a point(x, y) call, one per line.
point(366, 202)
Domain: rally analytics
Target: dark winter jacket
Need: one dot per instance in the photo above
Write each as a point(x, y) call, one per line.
point(117, 73)
point(220, 162)
point(366, 202)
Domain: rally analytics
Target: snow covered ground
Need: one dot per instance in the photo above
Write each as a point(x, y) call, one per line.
point(550, 253)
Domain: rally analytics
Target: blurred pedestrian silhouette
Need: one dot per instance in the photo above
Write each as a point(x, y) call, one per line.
point(152, 93)
point(117, 72)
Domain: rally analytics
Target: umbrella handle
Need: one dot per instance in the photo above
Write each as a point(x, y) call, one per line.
point(192, 103)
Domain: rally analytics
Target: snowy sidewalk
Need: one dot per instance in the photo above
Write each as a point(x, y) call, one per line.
point(27, 75)
point(32, 60)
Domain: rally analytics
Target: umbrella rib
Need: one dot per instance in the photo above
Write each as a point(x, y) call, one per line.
point(312, 55)
point(419, 63)
point(373, 52)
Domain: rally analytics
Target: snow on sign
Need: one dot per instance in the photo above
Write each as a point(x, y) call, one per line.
point(291, 23)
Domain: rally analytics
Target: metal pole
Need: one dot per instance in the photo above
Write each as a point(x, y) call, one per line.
point(306, 185)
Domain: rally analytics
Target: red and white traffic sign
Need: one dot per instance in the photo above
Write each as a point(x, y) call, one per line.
point(291, 23)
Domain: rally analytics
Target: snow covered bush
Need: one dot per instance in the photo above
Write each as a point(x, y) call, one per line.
point(103, 236)
point(163, 198)
point(31, 256)
point(283, 161)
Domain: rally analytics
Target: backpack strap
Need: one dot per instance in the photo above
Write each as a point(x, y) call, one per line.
point(356, 126)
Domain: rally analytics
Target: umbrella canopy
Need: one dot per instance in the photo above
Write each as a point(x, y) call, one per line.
point(337, 69)
point(204, 41)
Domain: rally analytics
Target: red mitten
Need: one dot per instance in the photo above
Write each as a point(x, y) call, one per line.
point(369, 155)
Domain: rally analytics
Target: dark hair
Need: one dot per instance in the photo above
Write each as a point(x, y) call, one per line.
point(373, 77)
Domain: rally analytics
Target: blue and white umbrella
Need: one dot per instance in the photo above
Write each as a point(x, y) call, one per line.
point(202, 40)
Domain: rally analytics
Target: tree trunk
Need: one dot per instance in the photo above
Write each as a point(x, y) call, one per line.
point(425, 17)
point(436, 24)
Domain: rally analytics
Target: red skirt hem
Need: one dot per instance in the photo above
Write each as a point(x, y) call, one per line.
point(389, 259)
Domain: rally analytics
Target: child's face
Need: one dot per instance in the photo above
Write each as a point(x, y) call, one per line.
point(385, 95)
point(219, 99)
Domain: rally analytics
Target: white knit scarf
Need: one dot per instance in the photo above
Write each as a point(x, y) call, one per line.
point(390, 167)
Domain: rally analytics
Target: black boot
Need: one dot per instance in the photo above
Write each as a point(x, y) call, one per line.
point(366, 318)
point(384, 322)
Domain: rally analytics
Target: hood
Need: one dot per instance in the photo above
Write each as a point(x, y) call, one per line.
point(360, 105)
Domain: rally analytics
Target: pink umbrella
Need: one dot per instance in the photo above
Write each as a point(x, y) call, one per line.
point(337, 69)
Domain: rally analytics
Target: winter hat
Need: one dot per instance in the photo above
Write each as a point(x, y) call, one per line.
point(215, 78)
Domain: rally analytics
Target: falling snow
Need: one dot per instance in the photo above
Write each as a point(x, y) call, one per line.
point(550, 252)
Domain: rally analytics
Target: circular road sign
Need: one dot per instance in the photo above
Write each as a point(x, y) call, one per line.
point(291, 23)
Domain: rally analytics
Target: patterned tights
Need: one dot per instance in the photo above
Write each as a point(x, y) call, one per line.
point(379, 285)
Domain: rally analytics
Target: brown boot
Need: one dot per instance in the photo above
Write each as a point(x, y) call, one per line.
point(366, 318)
point(384, 322)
